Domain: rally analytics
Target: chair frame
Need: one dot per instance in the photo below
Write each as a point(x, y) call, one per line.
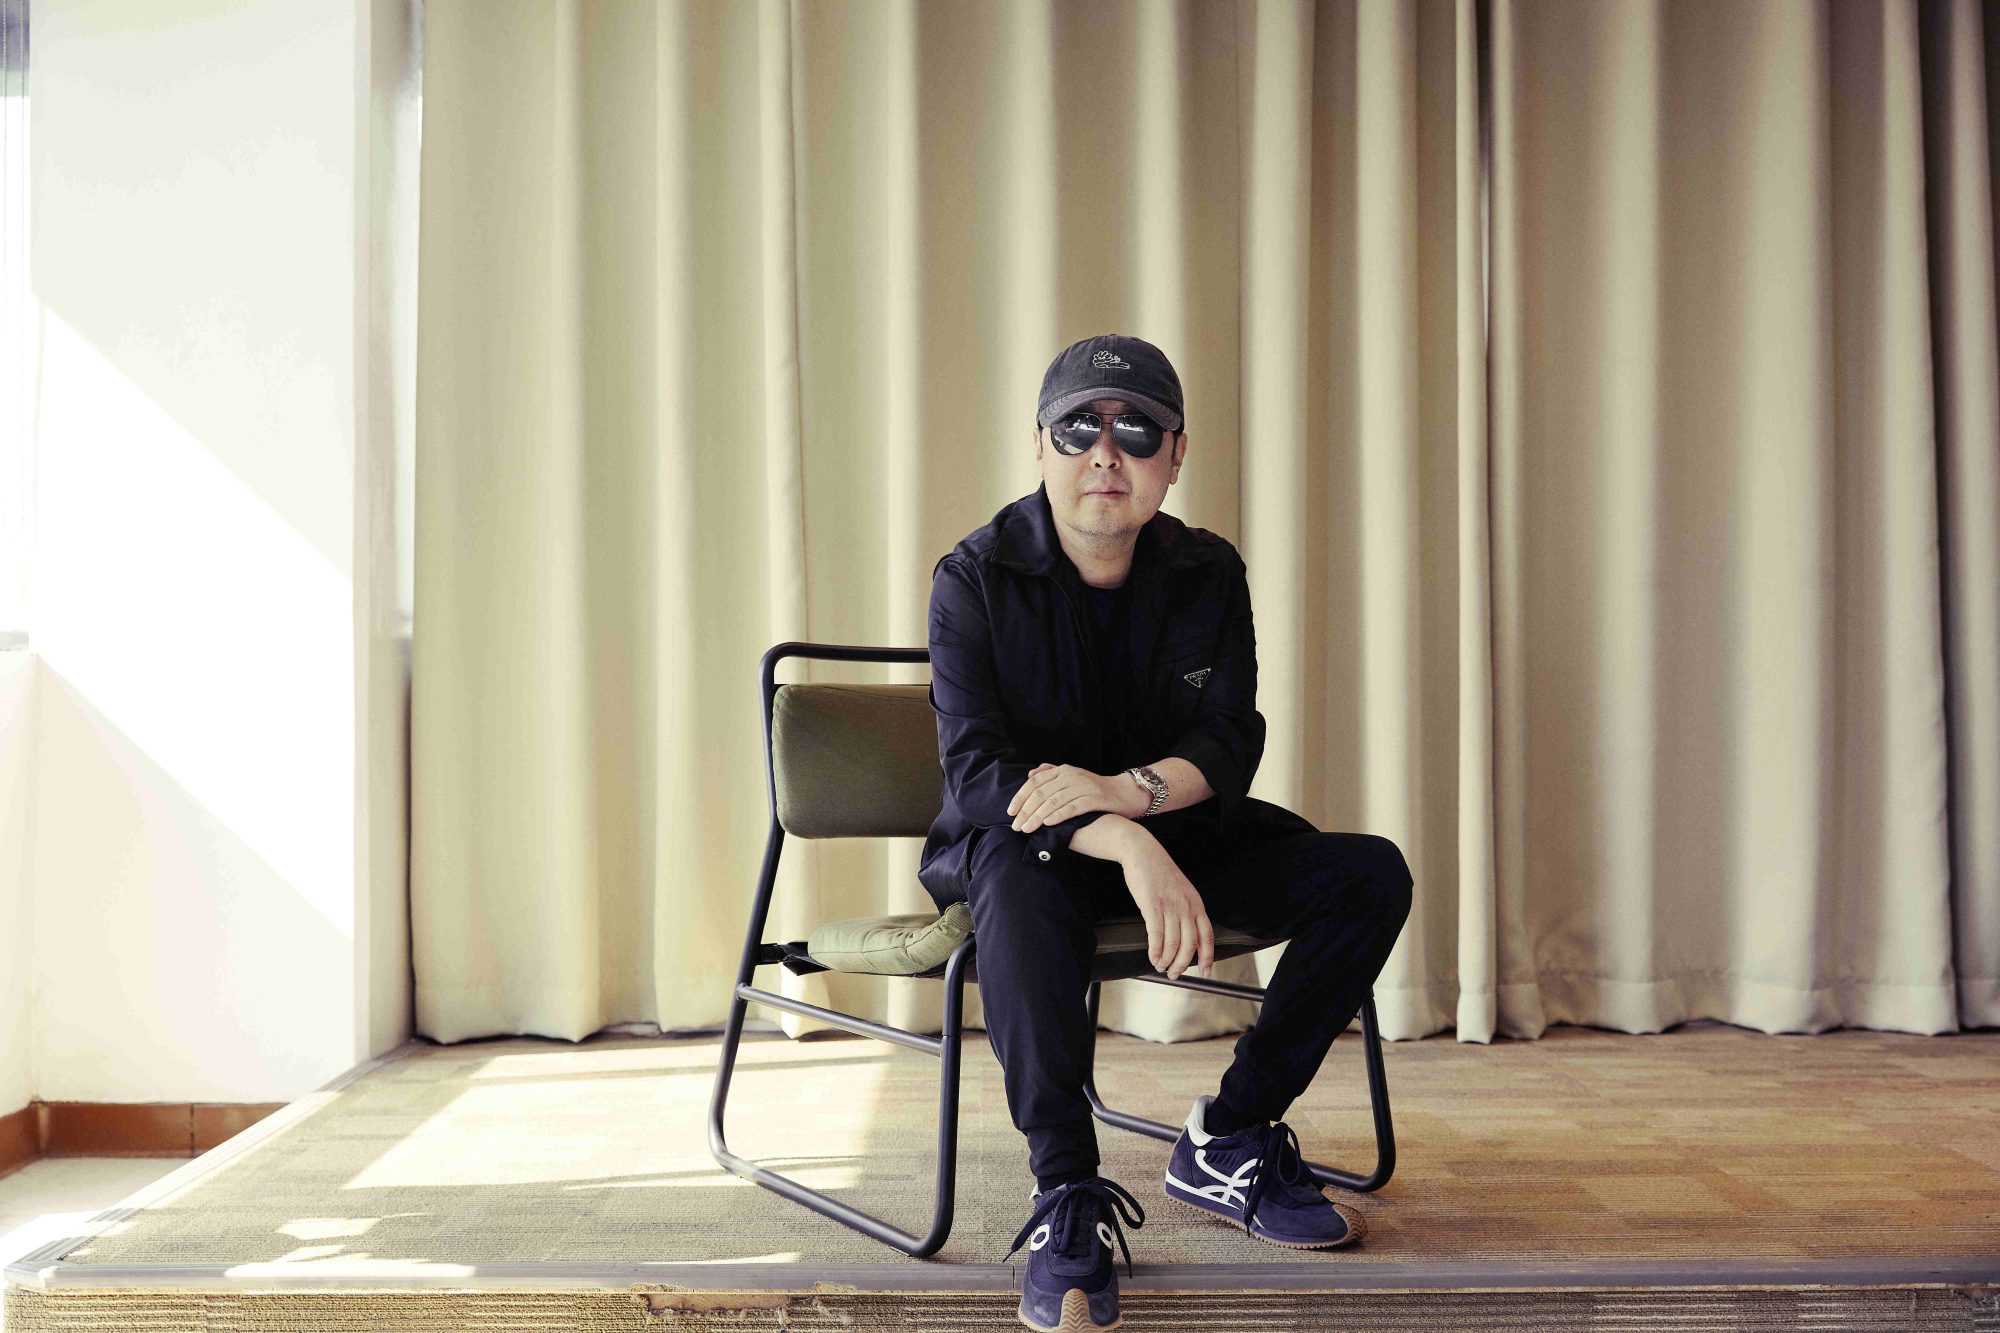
point(948, 1046)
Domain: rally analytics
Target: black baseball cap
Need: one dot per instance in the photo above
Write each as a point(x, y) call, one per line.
point(1111, 365)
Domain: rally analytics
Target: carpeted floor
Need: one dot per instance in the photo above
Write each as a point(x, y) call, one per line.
point(1706, 1143)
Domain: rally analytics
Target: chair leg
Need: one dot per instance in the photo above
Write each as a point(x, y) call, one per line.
point(947, 1047)
point(1378, 1086)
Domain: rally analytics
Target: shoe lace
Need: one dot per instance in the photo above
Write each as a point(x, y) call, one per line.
point(1074, 1207)
point(1280, 1149)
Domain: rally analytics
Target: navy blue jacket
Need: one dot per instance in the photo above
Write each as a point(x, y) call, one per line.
point(1014, 685)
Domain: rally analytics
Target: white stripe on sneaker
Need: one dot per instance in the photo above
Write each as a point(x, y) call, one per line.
point(1232, 1190)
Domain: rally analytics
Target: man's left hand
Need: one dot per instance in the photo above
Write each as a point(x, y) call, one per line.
point(1055, 792)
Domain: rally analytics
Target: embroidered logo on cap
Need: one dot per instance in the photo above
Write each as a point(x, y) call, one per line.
point(1110, 360)
point(1197, 678)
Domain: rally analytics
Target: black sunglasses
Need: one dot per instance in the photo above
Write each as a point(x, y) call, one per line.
point(1136, 433)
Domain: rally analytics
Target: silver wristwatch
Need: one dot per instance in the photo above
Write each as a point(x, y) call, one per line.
point(1149, 779)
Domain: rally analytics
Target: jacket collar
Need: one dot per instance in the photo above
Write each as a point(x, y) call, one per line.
point(1026, 539)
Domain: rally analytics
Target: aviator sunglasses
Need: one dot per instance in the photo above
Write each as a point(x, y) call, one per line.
point(1136, 433)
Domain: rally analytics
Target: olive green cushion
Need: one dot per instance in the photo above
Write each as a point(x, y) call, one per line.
point(896, 946)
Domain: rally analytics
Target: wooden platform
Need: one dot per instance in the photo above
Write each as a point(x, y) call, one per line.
point(1846, 1180)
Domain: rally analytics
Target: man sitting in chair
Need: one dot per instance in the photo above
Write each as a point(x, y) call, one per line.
point(1094, 675)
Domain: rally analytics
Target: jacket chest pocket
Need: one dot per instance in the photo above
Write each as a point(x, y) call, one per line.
point(1182, 667)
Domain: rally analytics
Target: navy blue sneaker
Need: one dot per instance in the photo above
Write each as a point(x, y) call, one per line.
point(1071, 1282)
point(1257, 1179)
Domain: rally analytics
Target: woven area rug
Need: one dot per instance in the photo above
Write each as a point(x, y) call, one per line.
point(1702, 1144)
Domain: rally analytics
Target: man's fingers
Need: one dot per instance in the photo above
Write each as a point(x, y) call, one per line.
point(1043, 811)
point(1207, 947)
point(1020, 796)
point(1190, 946)
point(1045, 807)
point(1170, 941)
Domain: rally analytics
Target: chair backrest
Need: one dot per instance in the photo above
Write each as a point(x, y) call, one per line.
point(855, 761)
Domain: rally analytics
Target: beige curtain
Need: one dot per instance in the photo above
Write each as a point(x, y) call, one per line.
point(1602, 396)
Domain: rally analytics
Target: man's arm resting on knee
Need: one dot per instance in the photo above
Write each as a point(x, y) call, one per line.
point(1114, 835)
point(1110, 837)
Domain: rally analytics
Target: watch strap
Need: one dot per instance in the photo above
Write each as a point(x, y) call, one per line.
point(1157, 787)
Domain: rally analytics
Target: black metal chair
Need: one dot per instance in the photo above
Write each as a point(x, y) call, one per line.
point(861, 761)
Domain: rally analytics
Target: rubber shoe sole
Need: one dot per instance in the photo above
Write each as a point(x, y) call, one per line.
point(1357, 1225)
point(1075, 1315)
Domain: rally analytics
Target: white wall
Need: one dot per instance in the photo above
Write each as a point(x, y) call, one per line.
point(17, 738)
point(215, 863)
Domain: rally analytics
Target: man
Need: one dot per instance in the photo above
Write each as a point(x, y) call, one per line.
point(1094, 675)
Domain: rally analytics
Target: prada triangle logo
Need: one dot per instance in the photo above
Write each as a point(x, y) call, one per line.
point(1197, 678)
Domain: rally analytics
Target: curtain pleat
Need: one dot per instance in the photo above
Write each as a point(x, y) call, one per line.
point(1605, 400)
point(1961, 49)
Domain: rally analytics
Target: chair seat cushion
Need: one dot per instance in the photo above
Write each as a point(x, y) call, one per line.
point(892, 946)
point(918, 944)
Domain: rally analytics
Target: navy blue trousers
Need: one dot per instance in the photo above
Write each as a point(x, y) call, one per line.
point(1339, 898)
